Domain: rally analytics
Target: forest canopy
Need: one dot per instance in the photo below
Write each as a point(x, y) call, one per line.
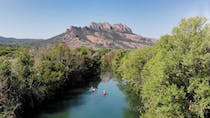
point(172, 78)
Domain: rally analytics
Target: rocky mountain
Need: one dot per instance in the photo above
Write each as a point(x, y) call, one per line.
point(94, 35)
point(101, 35)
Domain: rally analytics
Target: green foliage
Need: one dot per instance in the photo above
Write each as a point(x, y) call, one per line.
point(181, 65)
point(5, 68)
point(25, 64)
point(8, 88)
point(106, 60)
point(133, 62)
point(51, 71)
point(84, 51)
point(100, 52)
point(116, 61)
point(8, 50)
point(171, 78)
point(29, 78)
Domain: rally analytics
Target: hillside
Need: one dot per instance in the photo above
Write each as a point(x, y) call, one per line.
point(100, 35)
point(14, 41)
point(94, 35)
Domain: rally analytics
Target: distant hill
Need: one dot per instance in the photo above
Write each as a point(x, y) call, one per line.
point(100, 35)
point(14, 41)
point(94, 35)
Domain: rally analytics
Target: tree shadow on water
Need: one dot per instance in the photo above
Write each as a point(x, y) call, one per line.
point(59, 106)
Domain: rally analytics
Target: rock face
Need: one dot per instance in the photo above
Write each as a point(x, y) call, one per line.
point(110, 28)
point(102, 35)
point(122, 28)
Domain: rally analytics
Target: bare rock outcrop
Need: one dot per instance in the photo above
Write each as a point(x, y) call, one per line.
point(102, 35)
point(122, 28)
point(110, 28)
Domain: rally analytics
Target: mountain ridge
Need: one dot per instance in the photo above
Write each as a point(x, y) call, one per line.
point(101, 35)
point(17, 41)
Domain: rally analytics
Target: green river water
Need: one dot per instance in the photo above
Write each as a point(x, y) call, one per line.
point(82, 103)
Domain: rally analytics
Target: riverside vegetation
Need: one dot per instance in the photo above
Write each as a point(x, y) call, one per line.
point(28, 78)
point(171, 79)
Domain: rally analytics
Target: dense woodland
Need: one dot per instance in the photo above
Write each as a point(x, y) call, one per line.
point(171, 79)
point(29, 77)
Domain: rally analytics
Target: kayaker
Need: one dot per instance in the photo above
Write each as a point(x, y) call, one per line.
point(104, 92)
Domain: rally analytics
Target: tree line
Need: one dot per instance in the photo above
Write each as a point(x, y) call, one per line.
point(30, 77)
point(171, 78)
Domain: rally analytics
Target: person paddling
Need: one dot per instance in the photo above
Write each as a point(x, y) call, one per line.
point(93, 90)
point(104, 92)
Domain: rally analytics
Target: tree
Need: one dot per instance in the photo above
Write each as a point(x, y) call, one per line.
point(178, 75)
point(8, 88)
point(133, 62)
point(51, 71)
point(116, 61)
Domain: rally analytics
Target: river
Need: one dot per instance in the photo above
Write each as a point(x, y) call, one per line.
point(83, 103)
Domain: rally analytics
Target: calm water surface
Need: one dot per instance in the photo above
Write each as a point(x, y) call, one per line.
point(82, 103)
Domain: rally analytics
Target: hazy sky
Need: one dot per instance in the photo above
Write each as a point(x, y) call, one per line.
point(47, 18)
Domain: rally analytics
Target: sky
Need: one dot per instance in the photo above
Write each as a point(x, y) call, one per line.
point(42, 19)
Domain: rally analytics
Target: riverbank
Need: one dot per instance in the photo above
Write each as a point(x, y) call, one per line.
point(172, 77)
point(57, 92)
point(31, 80)
point(60, 95)
point(81, 102)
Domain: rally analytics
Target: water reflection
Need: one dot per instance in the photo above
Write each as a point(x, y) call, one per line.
point(132, 100)
point(83, 103)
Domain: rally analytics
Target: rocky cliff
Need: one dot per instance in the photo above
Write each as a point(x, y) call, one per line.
point(110, 28)
point(101, 35)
